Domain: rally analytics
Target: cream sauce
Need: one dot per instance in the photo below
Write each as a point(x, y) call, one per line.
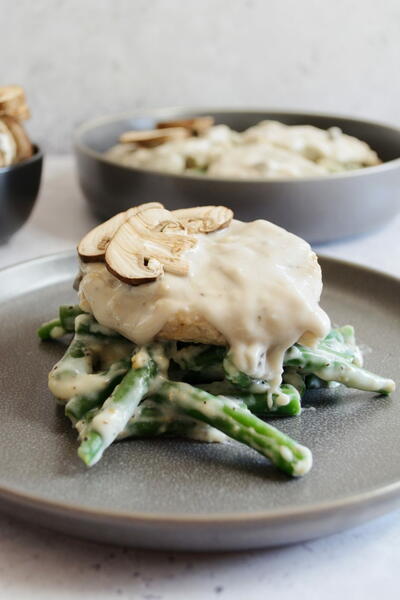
point(313, 143)
point(111, 420)
point(260, 159)
point(73, 376)
point(167, 414)
point(268, 150)
point(257, 284)
point(74, 382)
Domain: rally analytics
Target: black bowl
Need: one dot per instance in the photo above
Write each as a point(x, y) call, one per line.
point(19, 187)
point(319, 209)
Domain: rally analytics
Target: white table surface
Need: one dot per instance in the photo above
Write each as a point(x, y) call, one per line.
point(35, 563)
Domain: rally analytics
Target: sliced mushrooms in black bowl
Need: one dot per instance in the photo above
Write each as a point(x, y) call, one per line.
point(322, 177)
point(20, 163)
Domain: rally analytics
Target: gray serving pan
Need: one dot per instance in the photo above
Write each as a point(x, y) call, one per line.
point(319, 209)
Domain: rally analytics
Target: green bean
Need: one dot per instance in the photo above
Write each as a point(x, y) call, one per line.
point(68, 314)
point(285, 403)
point(66, 374)
point(51, 330)
point(342, 341)
point(116, 411)
point(335, 359)
point(332, 367)
point(65, 323)
point(110, 395)
point(240, 424)
point(207, 375)
point(313, 382)
point(196, 357)
point(86, 324)
point(153, 419)
point(85, 362)
point(241, 379)
point(80, 404)
point(278, 403)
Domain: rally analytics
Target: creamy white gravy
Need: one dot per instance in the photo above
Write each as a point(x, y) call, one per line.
point(268, 150)
point(255, 283)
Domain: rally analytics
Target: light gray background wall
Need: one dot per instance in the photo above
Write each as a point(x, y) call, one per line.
point(82, 58)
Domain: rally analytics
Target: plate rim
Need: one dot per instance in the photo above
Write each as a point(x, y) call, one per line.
point(387, 492)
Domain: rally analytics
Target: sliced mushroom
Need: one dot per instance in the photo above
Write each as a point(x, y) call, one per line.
point(8, 146)
point(204, 219)
point(92, 247)
point(150, 241)
point(13, 102)
point(165, 244)
point(195, 125)
point(155, 217)
point(154, 137)
point(125, 258)
point(21, 113)
point(137, 257)
point(24, 148)
point(140, 244)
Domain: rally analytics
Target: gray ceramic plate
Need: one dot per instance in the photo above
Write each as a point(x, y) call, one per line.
point(182, 495)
